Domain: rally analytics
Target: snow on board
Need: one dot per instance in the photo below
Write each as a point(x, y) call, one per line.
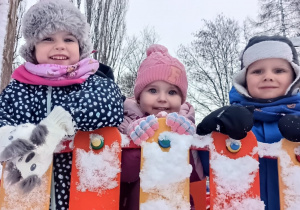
point(95, 181)
point(165, 172)
point(234, 177)
point(288, 172)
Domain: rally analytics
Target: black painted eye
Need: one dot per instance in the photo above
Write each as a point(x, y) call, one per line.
point(33, 167)
point(29, 157)
point(10, 138)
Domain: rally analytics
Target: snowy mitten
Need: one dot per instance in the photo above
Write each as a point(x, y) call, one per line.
point(234, 121)
point(142, 129)
point(180, 124)
point(29, 168)
point(289, 126)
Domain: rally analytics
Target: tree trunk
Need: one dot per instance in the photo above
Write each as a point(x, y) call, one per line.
point(9, 41)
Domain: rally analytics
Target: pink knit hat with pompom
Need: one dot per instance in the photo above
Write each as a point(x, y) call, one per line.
point(160, 65)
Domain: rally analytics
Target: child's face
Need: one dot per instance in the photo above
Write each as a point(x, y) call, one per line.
point(269, 78)
point(60, 48)
point(160, 96)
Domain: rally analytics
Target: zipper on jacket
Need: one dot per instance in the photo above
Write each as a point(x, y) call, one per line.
point(49, 93)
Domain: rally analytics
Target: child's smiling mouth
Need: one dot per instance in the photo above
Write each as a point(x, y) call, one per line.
point(268, 87)
point(59, 57)
point(161, 108)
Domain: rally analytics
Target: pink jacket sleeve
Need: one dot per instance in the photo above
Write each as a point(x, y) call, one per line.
point(132, 112)
point(188, 111)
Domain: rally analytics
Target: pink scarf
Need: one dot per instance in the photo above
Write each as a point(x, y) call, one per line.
point(56, 75)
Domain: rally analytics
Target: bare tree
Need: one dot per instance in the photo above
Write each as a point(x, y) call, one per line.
point(277, 17)
point(8, 51)
point(211, 59)
point(107, 20)
point(17, 60)
point(132, 54)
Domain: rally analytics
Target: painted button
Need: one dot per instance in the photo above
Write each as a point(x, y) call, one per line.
point(97, 142)
point(234, 147)
point(164, 143)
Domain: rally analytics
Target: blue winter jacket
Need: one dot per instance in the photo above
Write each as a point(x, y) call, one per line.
point(266, 116)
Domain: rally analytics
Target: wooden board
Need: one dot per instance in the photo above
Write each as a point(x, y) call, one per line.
point(184, 185)
point(285, 168)
point(13, 198)
point(88, 200)
point(223, 200)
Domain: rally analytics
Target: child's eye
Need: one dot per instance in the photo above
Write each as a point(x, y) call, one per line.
point(172, 92)
point(152, 90)
point(69, 40)
point(258, 71)
point(47, 39)
point(278, 71)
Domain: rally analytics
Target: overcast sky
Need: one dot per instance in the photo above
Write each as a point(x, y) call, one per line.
point(176, 20)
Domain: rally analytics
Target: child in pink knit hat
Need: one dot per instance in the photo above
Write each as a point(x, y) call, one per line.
point(160, 90)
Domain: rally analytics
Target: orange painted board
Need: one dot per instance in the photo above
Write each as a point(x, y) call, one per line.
point(221, 200)
point(39, 198)
point(287, 200)
point(88, 200)
point(185, 185)
point(198, 192)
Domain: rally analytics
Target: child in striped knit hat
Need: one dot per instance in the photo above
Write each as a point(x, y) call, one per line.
point(160, 90)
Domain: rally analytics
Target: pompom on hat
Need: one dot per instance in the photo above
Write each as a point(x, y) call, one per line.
point(160, 65)
point(264, 47)
point(48, 17)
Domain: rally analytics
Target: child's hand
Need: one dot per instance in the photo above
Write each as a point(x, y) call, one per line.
point(27, 137)
point(142, 129)
point(31, 149)
point(180, 124)
point(234, 121)
point(289, 126)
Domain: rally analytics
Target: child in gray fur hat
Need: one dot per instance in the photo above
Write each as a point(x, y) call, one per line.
point(57, 73)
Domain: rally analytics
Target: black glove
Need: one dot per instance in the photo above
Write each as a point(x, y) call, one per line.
point(289, 126)
point(234, 121)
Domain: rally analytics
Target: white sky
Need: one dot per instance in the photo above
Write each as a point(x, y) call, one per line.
point(175, 20)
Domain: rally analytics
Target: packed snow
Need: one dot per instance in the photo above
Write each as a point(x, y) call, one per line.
point(268, 150)
point(290, 177)
point(98, 172)
point(164, 168)
point(203, 142)
point(166, 173)
point(233, 178)
point(125, 140)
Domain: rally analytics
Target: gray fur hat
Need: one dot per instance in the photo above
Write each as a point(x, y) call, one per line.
point(263, 47)
point(48, 17)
